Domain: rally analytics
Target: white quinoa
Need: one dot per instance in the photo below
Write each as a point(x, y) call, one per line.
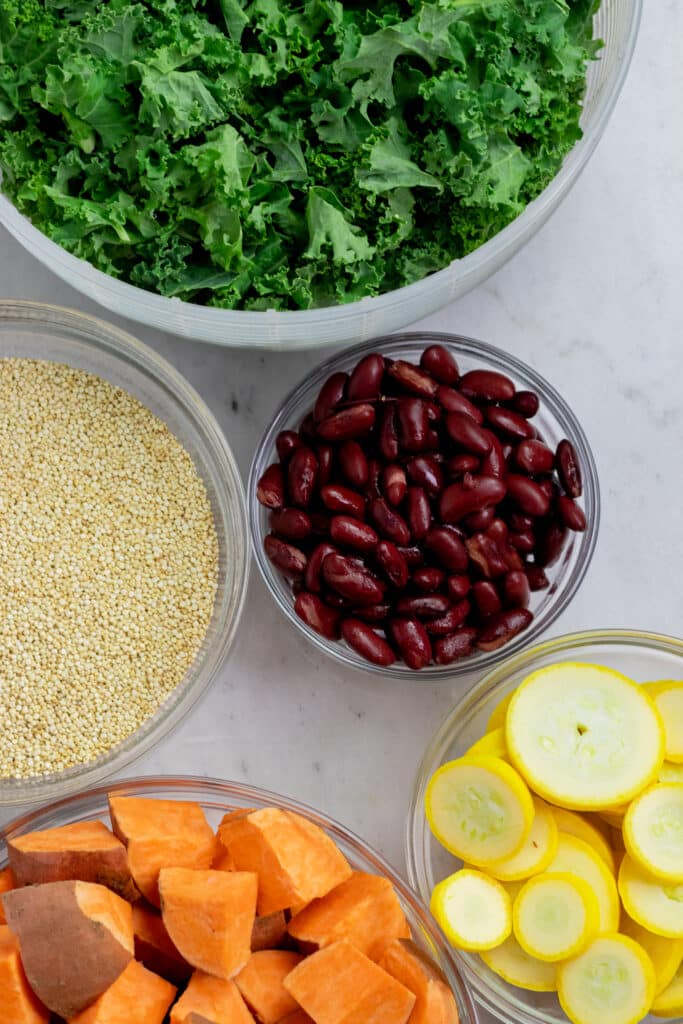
point(108, 565)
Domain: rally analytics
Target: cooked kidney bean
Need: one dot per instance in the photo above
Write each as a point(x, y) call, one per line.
point(270, 490)
point(571, 514)
point(460, 644)
point(419, 513)
point(389, 523)
point(319, 616)
point(428, 580)
point(452, 401)
point(302, 474)
point(458, 587)
point(516, 589)
point(366, 378)
point(411, 638)
point(352, 580)
point(369, 644)
point(549, 543)
point(394, 484)
point(290, 523)
point(487, 386)
point(325, 455)
point(493, 464)
point(486, 598)
point(527, 494)
point(412, 378)
point(373, 488)
point(518, 522)
point(376, 613)
point(388, 433)
point(533, 457)
point(536, 577)
point(425, 606)
point(312, 578)
point(331, 394)
point(354, 464)
point(501, 628)
point(480, 520)
point(426, 472)
point(342, 499)
point(568, 469)
point(464, 497)
point(490, 555)
point(507, 423)
point(289, 559)
point(438, 362)
point(413, 422)
point(308, 430)
point(524, 541)
point(287, 441)
point(413, 554)
point(349, 423)
point(461, 464)
point(467, 434)
point(392, 563)
point(447, 548)
point(352, 533)
point(451, 620)
point(526, 403)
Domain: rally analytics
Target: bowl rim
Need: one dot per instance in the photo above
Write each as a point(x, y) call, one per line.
point(220, 790)
point(490, 354)
point(461, 713)
point(213, 325)
point(119, 347)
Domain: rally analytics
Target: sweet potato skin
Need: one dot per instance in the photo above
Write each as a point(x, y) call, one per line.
point(136, 995)
point(69, 974)
point(435, 1002)
point(154, 948)
point(261, 984)
point(85, 851)
point(18, 1004)
point(269, 932)
point(7, 883)
point(210, 999)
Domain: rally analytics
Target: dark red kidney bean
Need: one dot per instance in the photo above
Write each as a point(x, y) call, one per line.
point(413, 424)
point(438, 362)
point(527, 495)
point(352, 580)
point(424, 471)
point(458, 465)
point(270, 490)
point(452, 401)
point(447, 548)
point(366, 642)
point(550, 538)
point(366, 378)
point(411, 378)
point(413, 555)
point(388, 433)
point(425, 606)
point(571, 514)
point(568, 468)
point(286, 442)
point(411, 638)
point(373, 488)
point(428, 580)
point(480, 520)
point(353, 464)
point(518, 522)
point(308, 429)
point(493, 464)
point(508, 424)
point(453, 619)
point(338, 602)
point(501, 628)
point(351, 533)
point(448, 649)
point(389, 523)
point(498, 530)
point(434, 412)
point(516, 589)
point(288, 559)
point(290, 523)
point(347, 424)
point(533, 457)
point(549, 488)
point(394, 484)
point(524, 541)
point(392, 563)
point(342, 499)
point(488, 554)
point(458, 587)
point(486, 598)
point(526, 403)
point(467, 434)
point(419, 513)
point(536, 577)
point(325, 456)
point(487, 386)
point(372, 612)
point(329, 397)
point(320, 524)
point(313, 578)
point(464, 497)
point(302, 476)
point(316, 614)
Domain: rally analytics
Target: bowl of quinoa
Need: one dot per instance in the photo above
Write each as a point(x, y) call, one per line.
point(123, 550)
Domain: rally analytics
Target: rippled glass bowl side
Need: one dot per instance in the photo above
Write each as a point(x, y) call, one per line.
point(640, 655)
point(216, 798)
point(554, 421)
point(31, 330)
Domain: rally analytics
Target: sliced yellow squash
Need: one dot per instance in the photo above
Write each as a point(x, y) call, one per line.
point(576, 824)
point(555, 916)
point(653, 831)
point(538, 849)
point(653, 903)
point(611, 982)
point(669, 1003)
point(516, 967)
point(474, 910)
point(578, 858)
point(666, 954)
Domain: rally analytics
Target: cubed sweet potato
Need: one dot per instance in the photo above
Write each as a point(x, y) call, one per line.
point(435, 1002)
point(161, 834)
point(298, 1017)
point(75, 938)
point(340, 985)
point(85, 851)
point(261, 983)
point(210, 999)
point(153, 946)
point(364, 909)
point(136, 995)
point(269, 932)
point(209, 916)
point(295, 860)
point(18, 1004)
point(6, 884)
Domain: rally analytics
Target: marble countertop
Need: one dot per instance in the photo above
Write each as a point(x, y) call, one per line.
point(594, 303)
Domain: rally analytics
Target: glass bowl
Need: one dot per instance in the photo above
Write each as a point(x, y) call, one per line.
point(216, 798)
point(642, 656)
point(616, 23)
point(31, 330)
point(555, 420)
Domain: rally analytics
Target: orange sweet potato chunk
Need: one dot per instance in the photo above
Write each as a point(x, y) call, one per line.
point(294, 859)
point(340, 985)
point(269, 932)
point(261, 984)
point(85, 851)
point(7, 883)
point(435, 1002)
point(18, 1004)
point(209, 916)
point(364, 909)
point(153, 946)
point(210, 999)
point(298, 1017)
point(136, 995)
point(161, 834)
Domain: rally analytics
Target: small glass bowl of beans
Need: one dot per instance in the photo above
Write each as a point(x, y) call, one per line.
point(423, 502)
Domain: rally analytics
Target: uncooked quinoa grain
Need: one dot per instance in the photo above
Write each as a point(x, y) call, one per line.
point(108, 565)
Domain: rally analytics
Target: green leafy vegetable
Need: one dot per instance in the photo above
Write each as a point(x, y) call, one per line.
point(284, 154)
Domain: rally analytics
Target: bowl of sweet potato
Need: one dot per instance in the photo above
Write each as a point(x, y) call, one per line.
point(192, 901)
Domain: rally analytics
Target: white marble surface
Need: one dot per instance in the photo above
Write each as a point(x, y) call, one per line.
point(594, 303)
